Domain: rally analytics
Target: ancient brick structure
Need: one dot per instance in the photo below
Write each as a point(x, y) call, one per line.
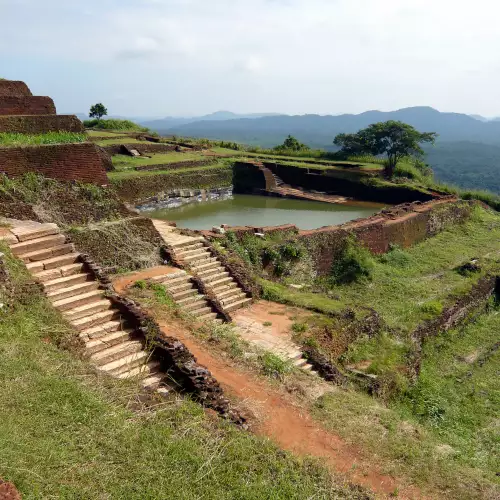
point(65, 162)
point(26, 105)
point(23, 113)
point(14, 88)
point(40, 124)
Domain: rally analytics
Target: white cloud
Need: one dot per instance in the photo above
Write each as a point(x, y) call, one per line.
point(279, 55)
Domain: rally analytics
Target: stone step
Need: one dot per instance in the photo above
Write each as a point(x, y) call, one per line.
point(211, 316)
point(109, 340)
point(81, 299)
point(198, 257)
point(228, 292)
point(194, 306)
point(59, 283)
point(189, 248)
point(185, 293)
point(87, 310)
point(170, 276)
point(224, 287)
point(58, 272)
point(216, 277)
point(99, 331)
point(38, 244)
point(300, 363)
point(47, 253)
point(45, 265)
point(71, 291)
point(140, 371)
point(190, 251)
point(180, 288)
point(237, 305)
point(205, 267)
point(33, 232)
point(116, 352)
point(182, 280)
point(222, 281)
point(187, 241)
point(97, 319)
point(210, 272)
point(201, 312)
point(308, 368)
point(233, 298)
point(125, 363)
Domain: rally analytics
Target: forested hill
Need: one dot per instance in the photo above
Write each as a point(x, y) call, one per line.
point(467, 151)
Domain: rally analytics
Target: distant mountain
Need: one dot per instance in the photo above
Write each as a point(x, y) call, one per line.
point(319, 131)
point(467, 152)
point(480, 118)
point(165, 124)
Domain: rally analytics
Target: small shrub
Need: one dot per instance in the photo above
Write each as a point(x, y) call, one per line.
point(267, 323)
point(299, 327)
point(396, 257)
point(432, 309)
point(354, 264)
point(140, 284)
point(274, 366)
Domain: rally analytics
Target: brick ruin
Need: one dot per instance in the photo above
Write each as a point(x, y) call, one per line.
point(23, 113)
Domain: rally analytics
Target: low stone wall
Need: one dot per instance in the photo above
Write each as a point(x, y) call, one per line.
point(450, 318)
point(176, 165)
point(403, 225)
point(27, 105)
point(65, 162)
point(141, 189)
point(14, 88)
point(40, 124)
point(143, 148)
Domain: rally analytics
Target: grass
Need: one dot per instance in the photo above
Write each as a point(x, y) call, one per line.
point(128, 174)
point(8, 139)
point(114, 124)
point(124, 162)
point(103, 133)
point(444, 431)
point(117, 140)
point(68, 432)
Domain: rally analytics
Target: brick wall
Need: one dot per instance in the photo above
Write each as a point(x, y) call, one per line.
point(65, 162)
point(40, 124)
point(403, 225)
point(14, 88)
point(26, 105)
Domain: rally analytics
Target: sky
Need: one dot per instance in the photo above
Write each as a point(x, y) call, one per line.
point(191, 57)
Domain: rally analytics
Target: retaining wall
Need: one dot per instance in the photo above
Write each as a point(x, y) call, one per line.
point(402, 225)
point(143, 148)
point(40, 124)
point(14, 88)
point(65, 162)
point(26, 105)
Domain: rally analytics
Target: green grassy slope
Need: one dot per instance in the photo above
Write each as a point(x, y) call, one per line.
point(66, 432)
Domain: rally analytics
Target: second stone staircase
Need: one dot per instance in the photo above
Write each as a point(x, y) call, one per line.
point(193, 253)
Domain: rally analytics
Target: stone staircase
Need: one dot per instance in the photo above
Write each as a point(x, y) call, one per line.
point(112, 346)
point(186, 295)
point(193, 254)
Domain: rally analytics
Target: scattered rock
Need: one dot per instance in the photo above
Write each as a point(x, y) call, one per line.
point(8, 491)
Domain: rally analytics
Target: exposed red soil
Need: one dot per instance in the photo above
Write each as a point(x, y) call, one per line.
point(8, 491)
point(279, 417)
point(120, 283)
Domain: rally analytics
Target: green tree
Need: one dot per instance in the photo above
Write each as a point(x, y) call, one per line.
point(392, 138)
point(98, 111)
point(291, 144)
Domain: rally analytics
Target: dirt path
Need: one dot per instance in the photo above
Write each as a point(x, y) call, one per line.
point(277, 417)
point(290, 426)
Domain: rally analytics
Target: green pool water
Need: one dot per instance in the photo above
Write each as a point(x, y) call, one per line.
point(251, 210)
